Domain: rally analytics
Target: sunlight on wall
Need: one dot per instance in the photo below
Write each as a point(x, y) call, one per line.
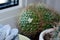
point(3, 1)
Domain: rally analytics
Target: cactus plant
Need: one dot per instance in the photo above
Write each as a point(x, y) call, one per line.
point(29, 22)
point(35, 18)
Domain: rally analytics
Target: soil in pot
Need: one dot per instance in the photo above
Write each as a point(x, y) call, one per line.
point(47, 36)
point(51, 36)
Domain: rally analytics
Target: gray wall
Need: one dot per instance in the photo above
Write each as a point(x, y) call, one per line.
point(55, 4)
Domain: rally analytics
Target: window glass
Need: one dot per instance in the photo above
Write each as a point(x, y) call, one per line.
point(8, 3)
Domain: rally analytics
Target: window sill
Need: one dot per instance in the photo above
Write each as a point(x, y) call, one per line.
point(12, 8)
point(9, 9)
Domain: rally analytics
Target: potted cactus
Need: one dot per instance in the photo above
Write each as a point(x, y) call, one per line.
point(36, 18)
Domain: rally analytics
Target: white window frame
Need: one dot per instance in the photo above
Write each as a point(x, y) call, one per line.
point(12, 8)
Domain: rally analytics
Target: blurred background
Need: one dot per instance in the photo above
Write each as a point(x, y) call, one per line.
point(10, 15)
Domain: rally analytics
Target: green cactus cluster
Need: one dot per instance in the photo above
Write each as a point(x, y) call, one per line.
point(46, 14)
point(36, 18)
point(29, 22)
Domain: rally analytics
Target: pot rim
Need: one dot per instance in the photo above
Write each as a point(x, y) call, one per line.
point(22, 37)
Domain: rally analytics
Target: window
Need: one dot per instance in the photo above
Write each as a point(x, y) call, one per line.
point(8, 3)
point(3, 1)
point(10, 7)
